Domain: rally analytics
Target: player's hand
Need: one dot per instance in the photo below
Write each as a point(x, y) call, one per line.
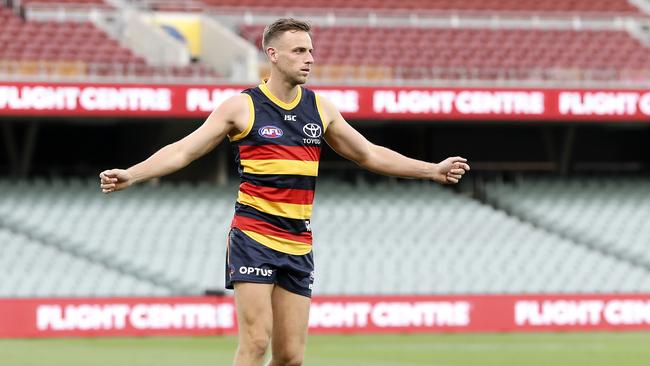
point(451, 170)
point(115, 180)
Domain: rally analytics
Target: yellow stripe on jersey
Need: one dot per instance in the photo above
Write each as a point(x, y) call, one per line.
point(279, 244)
point(320, 113)
point(251, 120)
point(289, 210)
point(273, 166)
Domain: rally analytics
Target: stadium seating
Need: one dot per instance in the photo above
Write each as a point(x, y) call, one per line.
point(406, 238)
point(67, 3)
point(528, 6)
point(608, 214)
point(446, 53)
point(29, 269)
point(174, 242)
point(368, 53)
point(397, 53)
point(74, 49)
point(424, 239)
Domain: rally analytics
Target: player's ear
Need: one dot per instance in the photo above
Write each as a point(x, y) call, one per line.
point(272, 54)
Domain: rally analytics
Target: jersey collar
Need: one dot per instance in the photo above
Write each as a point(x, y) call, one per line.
point(278, 102)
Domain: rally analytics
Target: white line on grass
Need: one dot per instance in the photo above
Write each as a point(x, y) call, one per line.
point(484, 346)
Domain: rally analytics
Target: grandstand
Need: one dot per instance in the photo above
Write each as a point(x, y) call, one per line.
point(487, 54)
point(169, 239)
point(605, 7)
point(556, 201)
point(76, 49)
point(72, 222)
point(410, 42)
point(75, 3)
point(608, 215)
point(460, 245)
point(32, 269)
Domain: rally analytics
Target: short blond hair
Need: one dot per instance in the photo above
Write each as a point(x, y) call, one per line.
point(277, 28)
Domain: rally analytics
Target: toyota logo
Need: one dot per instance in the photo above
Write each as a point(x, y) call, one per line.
point(312, 130)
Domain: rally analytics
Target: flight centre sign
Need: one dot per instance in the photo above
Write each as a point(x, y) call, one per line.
point(195, 316)
point(361, 103)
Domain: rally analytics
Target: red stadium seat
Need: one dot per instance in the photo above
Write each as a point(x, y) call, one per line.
point(342, 6)
point(53, 41)
point(67, 3)
point(476, 50)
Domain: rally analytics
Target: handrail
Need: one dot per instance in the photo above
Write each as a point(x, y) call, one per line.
point(536, 78)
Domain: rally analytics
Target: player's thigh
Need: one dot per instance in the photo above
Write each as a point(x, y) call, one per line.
point(290, 322)
point(254, 311)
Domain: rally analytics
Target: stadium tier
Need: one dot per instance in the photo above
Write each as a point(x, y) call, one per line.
point(608, 214)
point(175, 243)
point(413, 238)
point(30, 268)
point(542, 6)
point(379, 239)
point(67, 3)
point(33, 48)
point(446, 53)
point(539, 51)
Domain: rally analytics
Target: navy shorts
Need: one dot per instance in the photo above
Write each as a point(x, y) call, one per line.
point(249, 261)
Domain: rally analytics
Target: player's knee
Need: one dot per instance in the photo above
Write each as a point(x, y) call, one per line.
point(288, 357)
point(255, 345)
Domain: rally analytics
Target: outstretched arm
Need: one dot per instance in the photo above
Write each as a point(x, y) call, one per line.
point(349, 143)
point(230, 117)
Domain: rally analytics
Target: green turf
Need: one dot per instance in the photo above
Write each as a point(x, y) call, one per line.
point(572, 349)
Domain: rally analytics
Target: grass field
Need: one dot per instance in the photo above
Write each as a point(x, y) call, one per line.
point(588, 349)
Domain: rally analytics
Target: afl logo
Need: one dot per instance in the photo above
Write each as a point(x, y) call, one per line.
point(270, 132)
point(312, 130)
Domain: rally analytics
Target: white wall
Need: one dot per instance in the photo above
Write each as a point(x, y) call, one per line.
point(153, 43)
point(228, 53)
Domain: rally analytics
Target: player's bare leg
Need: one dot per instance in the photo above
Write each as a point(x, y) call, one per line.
point(290, 321)
point(255, 319)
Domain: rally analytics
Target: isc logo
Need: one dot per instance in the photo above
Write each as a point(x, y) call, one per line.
point(290, 117)
point(270, 132)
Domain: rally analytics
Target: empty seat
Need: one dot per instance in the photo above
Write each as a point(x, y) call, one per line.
point(416, 53)
point(42, 45)
point(343, 6)
point(401, 238)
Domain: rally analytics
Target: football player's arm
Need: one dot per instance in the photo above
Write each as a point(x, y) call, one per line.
point(350, 144)
point(229, 118)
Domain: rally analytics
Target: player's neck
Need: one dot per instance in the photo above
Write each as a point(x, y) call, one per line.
point(282, 90)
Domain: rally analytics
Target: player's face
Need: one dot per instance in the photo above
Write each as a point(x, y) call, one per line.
point(292, 56)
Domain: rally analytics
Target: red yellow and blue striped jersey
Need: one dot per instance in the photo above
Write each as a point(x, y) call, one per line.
point(277, 157)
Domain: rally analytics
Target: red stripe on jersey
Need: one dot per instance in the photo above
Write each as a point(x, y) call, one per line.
point(283, 195)
point(280, 152)
point(265, 228)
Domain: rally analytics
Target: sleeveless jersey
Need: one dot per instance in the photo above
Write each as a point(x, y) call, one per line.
point(277, 157)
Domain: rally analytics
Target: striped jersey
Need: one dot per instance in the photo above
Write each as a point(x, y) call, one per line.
point(277, 157)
